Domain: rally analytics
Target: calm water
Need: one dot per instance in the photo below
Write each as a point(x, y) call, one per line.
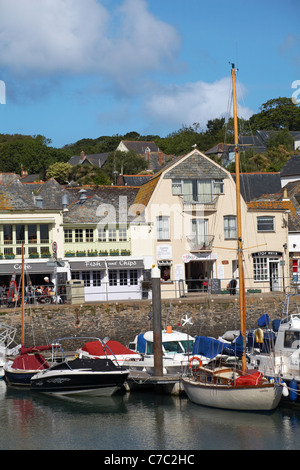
point(137, 421)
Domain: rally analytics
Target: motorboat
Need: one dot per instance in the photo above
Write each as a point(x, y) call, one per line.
point(176, 351)
point(110, 349)
point(29, 361)
point(80, 375)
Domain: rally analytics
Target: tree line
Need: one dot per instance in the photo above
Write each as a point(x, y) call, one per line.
point(36, 155)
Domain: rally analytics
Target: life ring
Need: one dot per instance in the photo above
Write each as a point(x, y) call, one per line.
point(194, 369)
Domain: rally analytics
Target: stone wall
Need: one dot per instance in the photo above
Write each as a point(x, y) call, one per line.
point(121, 321)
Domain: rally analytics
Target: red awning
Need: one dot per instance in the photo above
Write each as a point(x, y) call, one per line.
point(30, 362)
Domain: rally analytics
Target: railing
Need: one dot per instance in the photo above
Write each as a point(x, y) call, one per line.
point(200, 244)
point(206, 201)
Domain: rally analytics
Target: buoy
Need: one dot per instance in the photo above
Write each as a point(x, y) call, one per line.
point(169, 329)
point(293, 390)
point(259, 335)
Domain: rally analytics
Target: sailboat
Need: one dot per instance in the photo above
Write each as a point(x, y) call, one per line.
point(221, 385)
point(18, 372)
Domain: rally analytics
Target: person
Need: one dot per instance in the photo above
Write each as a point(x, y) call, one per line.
point(167, 274)
point(232, 286)
point(48, 287)
point(29, 293)
point(2, 294)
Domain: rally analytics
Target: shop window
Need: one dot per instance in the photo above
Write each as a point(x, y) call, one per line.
point(75, 274)
point(96, 278)
point(113, 278)
point(86, 277)
point(123, 277)
point(165, 272)
point(260, 269)
point(133, 277)
point(122, 234)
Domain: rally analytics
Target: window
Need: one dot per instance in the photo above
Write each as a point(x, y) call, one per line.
point(75, 274)
point(68, 235)
point(44, 233)
point(78, 235)
point(176, 187)
point(163, 227)
point(165, 272)
point(199, 233)
point(96, 278)
point(133, 277)
point(86, 277)
point(32, 234)
point(218, 187)
point(112, 234)
point(113, 278)
point(292, 339)
point(20, 233)
point(7, 229)
point(265, 224)
point(122, 234)
point(230, 231)
point(101, 234)
point(123, 277)
point(89, 235)
point(32, 249)
point(260, 269)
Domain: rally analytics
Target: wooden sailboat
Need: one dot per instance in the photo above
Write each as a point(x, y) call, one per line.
point(224, 386)
point(30, 360)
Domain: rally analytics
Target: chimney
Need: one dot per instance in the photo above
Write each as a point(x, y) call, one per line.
point(285, 195)
point(82, 156)
point(160, 158)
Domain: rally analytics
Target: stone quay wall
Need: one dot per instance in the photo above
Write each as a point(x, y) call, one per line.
point(121, 321)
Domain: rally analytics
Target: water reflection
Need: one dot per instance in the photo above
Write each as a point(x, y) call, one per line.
point(137, 420)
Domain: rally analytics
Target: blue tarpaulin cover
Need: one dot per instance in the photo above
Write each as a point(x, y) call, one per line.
point(263, 320)
point(141, 344)
point(210, 347)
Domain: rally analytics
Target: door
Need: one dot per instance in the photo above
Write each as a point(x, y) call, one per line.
point(274, 275)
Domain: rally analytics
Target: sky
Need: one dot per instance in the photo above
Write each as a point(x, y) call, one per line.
point(74, 69)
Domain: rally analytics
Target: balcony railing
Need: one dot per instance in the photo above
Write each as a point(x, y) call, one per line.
point(201, 244)
point(205, 201)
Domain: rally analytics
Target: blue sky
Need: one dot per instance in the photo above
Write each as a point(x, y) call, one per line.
point(77, 69)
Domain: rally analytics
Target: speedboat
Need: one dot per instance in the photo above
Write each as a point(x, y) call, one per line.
point(80, 376)
point(176, 350)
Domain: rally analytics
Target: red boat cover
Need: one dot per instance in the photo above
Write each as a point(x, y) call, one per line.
point(95, 348)
point(248, 380)
point(30, 362)
point(35, 349)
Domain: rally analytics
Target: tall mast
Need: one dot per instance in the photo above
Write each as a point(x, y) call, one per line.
point(23, 329)
point(239, 222)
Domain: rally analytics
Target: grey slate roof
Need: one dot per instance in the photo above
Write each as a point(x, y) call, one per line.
point(253, 185)
point(96, 159)
point(140, 146)
point(292, 167)
point(196, 166)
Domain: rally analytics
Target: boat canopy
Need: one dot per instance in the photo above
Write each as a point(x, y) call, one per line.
point(95, 348)
point(141, 344)
point(30, 362)
point(211, 347)
point(263, 320)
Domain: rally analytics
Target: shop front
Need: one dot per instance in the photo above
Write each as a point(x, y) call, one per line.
point(268, 270)
point(109, 279)
point(199, 269)
point(34, 271)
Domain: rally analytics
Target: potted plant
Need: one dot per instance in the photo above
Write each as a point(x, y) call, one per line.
point(34, 255)
point(80, 253)
point(46, 254)
point(1, 255)
point(9, 256)
point(125, 252)
point(103, 253)
point(92, 253)
point(114, 252)
point(69, 254)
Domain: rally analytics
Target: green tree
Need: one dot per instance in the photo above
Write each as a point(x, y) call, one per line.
point(278, 113)
point(87, 174)
point(128, 163)
point(59, 171)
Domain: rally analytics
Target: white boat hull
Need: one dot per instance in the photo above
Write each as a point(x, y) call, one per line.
point(256, 398)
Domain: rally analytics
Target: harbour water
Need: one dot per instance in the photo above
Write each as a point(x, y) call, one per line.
point(137, 421)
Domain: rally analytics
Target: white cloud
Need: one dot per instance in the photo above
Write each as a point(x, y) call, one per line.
point(46, 37)
point(195, 102)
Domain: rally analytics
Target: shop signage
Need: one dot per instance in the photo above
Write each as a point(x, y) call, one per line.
point(87, 265)
point(267, 253)
point(126, 264)
point(34, 268)
point(186, 258)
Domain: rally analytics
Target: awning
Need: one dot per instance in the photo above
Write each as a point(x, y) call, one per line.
point(87, 265)
point(29, 268)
